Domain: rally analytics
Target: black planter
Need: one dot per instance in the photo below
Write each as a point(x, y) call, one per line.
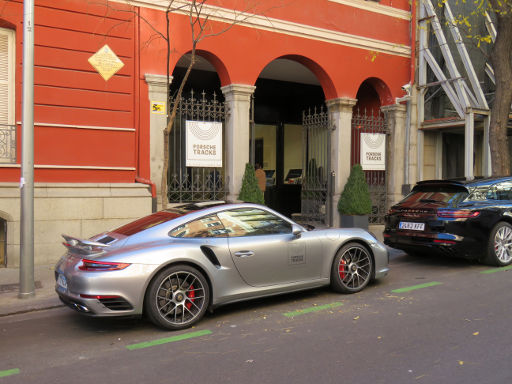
point(351, 221)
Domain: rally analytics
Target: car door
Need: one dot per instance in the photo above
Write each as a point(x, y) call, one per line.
point(263, 247)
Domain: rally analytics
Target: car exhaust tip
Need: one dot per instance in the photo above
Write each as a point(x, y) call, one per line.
point(81, 308)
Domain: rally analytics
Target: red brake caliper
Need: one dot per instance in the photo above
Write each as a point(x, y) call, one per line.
point(341, 269)
point(190, 294)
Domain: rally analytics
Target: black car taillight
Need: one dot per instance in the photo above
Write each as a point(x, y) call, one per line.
point(93, 266)
point(457, 214)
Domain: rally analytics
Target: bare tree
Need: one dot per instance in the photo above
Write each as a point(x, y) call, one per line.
point(199, 17)
point(500, 56)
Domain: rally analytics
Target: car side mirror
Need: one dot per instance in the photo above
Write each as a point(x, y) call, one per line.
point(296, 230)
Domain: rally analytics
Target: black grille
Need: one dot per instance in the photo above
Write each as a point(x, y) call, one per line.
point(106, 240)
point(116, 304)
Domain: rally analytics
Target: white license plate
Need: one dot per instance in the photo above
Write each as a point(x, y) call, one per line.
point(412, 226)
point(61, 282)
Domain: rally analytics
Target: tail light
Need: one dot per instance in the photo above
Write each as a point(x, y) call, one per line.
point(447, 242)
point(457, 214)
point(92, 266)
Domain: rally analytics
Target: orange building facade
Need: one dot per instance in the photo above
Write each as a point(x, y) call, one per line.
point(98, 143)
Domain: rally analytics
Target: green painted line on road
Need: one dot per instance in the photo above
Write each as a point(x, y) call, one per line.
point(494, 270)
point(9, 372)
point(171, 339)
point(415, 287)
point(316, 308)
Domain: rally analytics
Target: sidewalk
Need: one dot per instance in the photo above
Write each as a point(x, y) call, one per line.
point(45, 296)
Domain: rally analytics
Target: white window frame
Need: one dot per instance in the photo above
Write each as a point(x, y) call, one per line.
point(11, 84)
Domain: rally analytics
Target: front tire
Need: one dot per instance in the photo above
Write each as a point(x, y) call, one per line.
point(177, 297)
point(352, 269)
point(499, 249)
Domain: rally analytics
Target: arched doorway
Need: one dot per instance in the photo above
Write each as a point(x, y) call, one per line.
point(368, 142)
point(196, 157)
point(284, 90)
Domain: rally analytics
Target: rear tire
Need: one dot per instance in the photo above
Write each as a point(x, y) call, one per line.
point(352, 269)
point(499, 249)
point(177, 298)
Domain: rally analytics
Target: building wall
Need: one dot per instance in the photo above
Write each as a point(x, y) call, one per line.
point(80, 210)
point(95, 138)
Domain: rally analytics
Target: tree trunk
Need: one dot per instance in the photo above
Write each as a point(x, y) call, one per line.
point(501, 58)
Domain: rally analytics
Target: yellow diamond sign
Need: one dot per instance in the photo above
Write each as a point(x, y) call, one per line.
point(106, 62)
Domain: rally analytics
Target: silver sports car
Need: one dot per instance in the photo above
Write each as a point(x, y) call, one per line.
point(175, 264)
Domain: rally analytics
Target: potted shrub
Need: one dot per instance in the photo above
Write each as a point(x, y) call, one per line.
point(355, 203)
point(250, 191)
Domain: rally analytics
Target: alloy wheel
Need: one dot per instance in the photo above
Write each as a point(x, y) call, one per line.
point(354, 267)
point(180, 298)
point(503, 244)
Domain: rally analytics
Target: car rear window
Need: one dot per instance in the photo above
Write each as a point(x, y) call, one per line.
point(440, 194)
point(146, 222)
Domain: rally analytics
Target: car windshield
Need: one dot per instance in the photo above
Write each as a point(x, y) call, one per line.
point(146, 222)
point(445, 195)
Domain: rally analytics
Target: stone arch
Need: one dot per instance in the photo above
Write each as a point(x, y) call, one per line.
point(373, 93)
point(323, 77)
point(214, 60)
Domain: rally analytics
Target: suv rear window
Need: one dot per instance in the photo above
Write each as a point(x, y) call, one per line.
point(441, 194)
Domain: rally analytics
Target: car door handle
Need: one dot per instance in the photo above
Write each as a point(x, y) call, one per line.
point(244, 253)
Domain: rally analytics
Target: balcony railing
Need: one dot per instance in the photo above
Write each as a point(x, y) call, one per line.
point(7, 144)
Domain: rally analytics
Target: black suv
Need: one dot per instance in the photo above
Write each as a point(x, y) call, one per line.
point(471, 219)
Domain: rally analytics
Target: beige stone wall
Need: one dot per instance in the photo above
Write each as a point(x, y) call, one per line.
point(429, 155)
point(80, 210)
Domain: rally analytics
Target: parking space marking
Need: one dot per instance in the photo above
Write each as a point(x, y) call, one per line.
point(494, 270)
point(415, 287)
point(9, 372)
point(171, 339)
point(312, 309)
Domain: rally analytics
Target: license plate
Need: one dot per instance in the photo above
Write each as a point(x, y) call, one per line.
point(412, 226)
point(61, 282)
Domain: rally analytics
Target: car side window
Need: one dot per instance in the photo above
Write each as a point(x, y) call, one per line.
point(253, 222)
point(207, 226)
point(502, 191)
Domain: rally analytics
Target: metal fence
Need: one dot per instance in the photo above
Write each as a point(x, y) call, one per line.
point(370, 122)
point(315, 194)
point(194, 183)
point(7, 144)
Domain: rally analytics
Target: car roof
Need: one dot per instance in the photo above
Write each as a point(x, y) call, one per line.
point(477, 182)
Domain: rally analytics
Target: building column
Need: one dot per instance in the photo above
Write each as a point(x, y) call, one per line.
point(395, 151)
point(469, 144)
point(238, 101)
point(340, 116)
point(157, 93)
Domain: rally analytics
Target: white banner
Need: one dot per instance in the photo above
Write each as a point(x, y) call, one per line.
point(204, 144)
point(373, 151)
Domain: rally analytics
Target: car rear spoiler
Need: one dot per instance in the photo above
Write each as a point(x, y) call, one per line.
point(86, 247)
point(453, 183)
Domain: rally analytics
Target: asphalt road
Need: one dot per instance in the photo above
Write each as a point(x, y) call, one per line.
point(449, 322)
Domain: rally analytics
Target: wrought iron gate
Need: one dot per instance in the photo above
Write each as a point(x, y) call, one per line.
point(316, 196)
point(194, 183)
point(370, 122)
